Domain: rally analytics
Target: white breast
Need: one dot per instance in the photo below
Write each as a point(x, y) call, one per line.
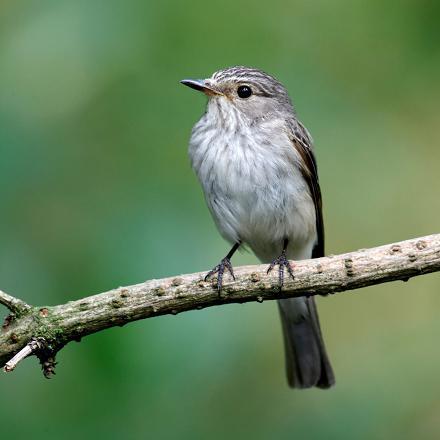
point(252, 183)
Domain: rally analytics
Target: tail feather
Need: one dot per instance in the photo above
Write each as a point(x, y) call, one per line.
point(307, 363)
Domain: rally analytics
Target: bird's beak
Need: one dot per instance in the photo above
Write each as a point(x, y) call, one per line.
point(201, 85)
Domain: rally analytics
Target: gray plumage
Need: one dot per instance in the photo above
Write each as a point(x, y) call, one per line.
point(255, 162)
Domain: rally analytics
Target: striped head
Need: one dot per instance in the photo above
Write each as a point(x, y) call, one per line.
point(251, 92)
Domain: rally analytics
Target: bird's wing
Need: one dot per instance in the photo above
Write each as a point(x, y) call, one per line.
point(302, 141)
point(307, 361)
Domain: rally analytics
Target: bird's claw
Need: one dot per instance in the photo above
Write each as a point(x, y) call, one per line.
point(282, 263)
point(220, 270)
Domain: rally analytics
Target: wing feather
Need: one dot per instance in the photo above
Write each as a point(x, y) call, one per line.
point(302, 141)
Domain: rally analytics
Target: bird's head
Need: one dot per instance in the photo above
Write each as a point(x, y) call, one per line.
point(252, 92)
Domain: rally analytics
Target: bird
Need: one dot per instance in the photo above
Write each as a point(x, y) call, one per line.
point(255, 162)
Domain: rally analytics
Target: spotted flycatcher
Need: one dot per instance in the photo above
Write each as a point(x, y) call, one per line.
point(255, 162)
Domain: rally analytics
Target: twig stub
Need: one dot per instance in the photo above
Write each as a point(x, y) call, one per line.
point(34, 345)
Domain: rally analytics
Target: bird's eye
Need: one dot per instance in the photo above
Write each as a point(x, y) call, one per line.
point(244, 91)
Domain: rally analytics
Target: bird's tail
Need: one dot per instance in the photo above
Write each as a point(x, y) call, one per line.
point(307, 363)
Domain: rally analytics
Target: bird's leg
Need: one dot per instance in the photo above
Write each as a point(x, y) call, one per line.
point(220, 268)
point(282, 263)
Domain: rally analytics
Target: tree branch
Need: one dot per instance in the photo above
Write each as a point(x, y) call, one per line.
point(15, 305)
point(61, 324)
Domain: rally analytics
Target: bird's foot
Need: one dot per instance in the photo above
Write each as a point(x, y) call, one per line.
point(220, 270)
point(282, 263)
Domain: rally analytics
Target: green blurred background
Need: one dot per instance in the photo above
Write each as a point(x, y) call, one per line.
point(96, 192)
